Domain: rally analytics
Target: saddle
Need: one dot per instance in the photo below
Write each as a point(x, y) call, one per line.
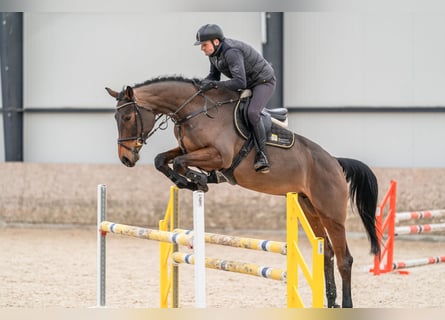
point(275, 123)
point(274, 120)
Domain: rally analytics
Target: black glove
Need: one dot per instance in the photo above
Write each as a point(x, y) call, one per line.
point(206, 84)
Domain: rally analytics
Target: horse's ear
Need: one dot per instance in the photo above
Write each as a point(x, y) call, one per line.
point(112, 93)
point(129, 93)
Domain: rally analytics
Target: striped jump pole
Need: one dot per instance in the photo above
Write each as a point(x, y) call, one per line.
point(417, 262)
point(146, 233)
point(420, 228)
point(417, 215)
point(185, 237)
point(233, 266)
point(241, 242)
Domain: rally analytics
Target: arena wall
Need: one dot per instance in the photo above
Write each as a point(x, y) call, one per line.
point(39, 193)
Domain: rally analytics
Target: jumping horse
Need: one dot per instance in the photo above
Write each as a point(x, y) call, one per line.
point(208, 144)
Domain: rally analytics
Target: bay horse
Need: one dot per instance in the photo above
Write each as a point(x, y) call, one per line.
point(208, 143)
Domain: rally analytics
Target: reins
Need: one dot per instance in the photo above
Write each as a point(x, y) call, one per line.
point(204, 109)
point(142, 137)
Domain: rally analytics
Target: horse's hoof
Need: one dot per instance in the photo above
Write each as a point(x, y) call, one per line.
point(204, 188)
point(180, 182)
point(333, 305)
point(189, 186)
point(197, 177)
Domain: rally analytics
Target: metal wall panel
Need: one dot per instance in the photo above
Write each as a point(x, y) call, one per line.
point(381, 140)
point(71, 57)
point(373, 59)
point(331, 59)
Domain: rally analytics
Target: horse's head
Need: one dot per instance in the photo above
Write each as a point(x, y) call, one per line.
point(134, 124)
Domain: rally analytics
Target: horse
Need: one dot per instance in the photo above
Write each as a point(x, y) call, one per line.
point(209, 144)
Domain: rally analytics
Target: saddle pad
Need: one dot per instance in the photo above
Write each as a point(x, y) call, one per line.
point(277, 135)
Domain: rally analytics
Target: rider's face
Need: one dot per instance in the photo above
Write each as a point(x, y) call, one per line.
point(208, 48)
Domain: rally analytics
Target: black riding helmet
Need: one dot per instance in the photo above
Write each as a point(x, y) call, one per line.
point(209, 32)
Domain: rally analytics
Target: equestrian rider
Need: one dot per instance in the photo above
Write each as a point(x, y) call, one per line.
point(245, 68)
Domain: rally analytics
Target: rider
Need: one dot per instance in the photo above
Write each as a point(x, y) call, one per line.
point(246, 69)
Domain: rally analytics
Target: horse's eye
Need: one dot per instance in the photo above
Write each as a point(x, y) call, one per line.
point(127, 117)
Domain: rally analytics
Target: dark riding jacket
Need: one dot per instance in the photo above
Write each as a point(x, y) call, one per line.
point(242, 64)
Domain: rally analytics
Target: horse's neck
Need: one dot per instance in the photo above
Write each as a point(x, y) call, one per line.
point(148, 101)
point(165, 101)
point(180, 100)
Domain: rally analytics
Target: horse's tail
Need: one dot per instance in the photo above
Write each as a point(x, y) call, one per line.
point(363, 190)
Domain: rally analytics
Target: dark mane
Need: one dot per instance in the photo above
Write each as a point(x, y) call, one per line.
point(167, 78)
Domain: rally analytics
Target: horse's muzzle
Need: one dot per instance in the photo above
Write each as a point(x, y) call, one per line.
point(130, 159)
point(127, 162)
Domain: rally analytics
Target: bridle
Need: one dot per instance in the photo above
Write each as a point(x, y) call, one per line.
point(141, 137)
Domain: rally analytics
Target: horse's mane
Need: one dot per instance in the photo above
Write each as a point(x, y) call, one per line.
point(179, 78)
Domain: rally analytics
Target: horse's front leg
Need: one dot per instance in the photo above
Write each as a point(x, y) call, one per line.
point(162, 161)
point(207, 158)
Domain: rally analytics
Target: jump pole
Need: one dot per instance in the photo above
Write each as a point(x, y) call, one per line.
point(416, 215)
point(417, 262)
point(420, 228)
point(240, 242)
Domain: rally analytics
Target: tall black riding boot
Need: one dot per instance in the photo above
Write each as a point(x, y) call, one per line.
point(261, 163)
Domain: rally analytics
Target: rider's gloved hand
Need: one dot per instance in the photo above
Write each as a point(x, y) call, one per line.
point(207, 84)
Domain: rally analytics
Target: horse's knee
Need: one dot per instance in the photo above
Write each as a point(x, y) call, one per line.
point(178, 164)
point(159, 161)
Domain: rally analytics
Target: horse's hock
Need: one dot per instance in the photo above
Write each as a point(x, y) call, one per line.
point(65, 194)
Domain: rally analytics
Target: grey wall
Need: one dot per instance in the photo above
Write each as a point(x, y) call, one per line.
point(331, 59)
point(371, 60)
point(71, 57)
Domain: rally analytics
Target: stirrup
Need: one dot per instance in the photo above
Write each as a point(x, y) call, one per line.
point(261, 164)
point(262, 169)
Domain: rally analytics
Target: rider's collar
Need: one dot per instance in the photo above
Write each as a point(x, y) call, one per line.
point(217, 49)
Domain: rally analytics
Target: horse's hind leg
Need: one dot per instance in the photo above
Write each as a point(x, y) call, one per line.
point(332, 216)
point(336, 244)
point(331, 288)
point(344, 259)
point(319, 231)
